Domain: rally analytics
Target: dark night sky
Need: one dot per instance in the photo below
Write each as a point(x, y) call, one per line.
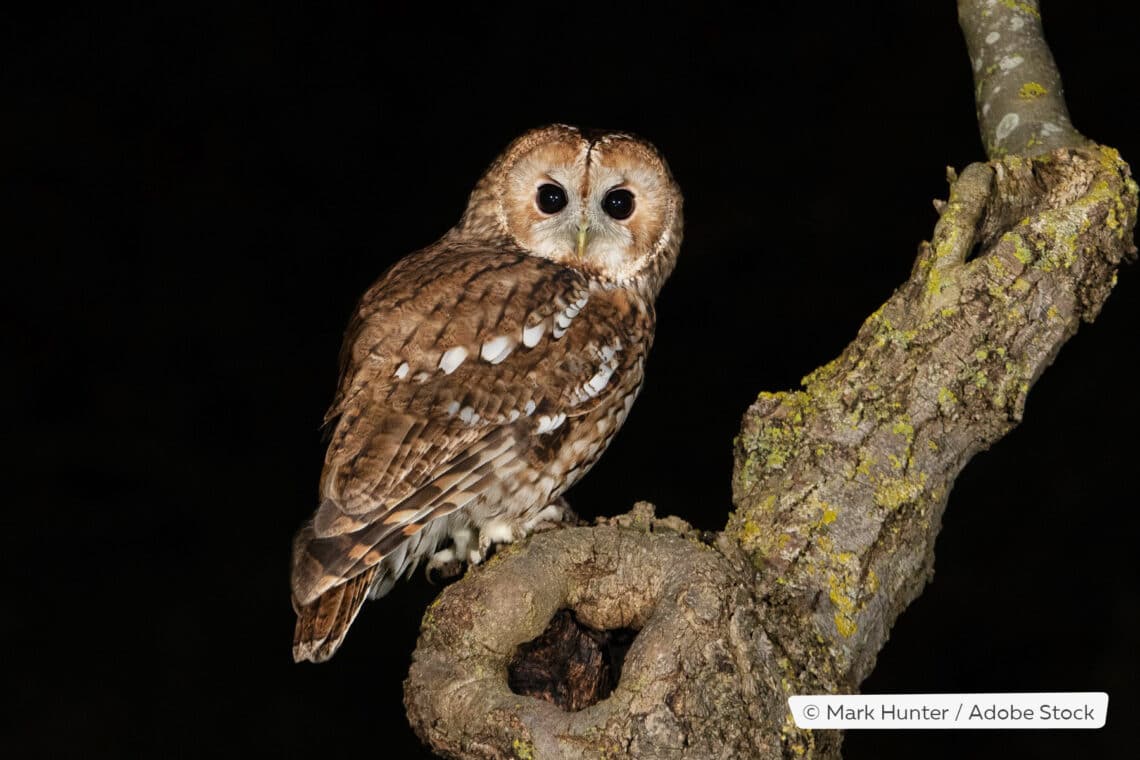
point(197, 197)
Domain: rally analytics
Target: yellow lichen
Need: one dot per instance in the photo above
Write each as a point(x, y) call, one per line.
point(749, 531)
point(843, 591)
point(524, 750)
point(1021, 250)
point(1031, 90)
point(1024, 7)
point(892, 493)
point(866, 462)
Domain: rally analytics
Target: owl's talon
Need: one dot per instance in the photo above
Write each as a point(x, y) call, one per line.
point(555, 515)
point(445, 563)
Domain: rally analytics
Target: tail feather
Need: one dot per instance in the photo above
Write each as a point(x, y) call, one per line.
point(322, 624)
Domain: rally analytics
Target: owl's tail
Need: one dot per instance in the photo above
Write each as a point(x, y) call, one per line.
point(322, 624)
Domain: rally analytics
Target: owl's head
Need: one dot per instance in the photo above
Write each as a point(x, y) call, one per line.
point(604, 203)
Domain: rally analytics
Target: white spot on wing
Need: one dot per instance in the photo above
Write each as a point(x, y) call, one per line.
point(452, 408)
point(497, 349)
point(563, 318)
point(546, 424)
point(528, 410)
point(599, 381)
point(467, 414)
point(402, 371)
point(451, 359)
point(533, 334)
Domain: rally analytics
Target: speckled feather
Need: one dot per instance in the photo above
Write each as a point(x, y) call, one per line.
point(479, 382)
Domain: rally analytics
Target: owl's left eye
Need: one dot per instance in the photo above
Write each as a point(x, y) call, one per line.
point(618, 203)
point(551, 198)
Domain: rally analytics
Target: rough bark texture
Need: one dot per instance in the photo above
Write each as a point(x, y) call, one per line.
point(839, 487)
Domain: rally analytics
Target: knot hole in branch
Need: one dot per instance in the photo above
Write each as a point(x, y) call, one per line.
point(570, 664)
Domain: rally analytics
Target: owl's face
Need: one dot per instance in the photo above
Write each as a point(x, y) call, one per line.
point(604, 204)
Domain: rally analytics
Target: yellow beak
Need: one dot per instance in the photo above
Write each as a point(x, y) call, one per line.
point(583, 229)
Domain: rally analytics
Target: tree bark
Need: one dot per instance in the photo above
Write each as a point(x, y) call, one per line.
point(839, 487)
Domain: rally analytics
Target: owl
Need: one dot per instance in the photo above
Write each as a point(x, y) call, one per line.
point(484, 375)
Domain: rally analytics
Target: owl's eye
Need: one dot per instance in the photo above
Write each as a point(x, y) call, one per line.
point(551, 198)
point(618, 203)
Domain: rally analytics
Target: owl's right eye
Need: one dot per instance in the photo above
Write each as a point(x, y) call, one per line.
point(551, 198)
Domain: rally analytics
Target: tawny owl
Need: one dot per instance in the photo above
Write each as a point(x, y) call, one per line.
point(485, 374)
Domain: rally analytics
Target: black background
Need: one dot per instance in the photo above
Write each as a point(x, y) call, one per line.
point(196, 197)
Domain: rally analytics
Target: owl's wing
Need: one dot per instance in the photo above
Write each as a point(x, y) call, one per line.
point(456, 358)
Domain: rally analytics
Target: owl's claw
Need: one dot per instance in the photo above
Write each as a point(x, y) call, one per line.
point(555, 515)
point(445, 563)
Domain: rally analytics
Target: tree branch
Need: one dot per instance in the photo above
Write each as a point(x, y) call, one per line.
point(1020, 102)
point(839, 487)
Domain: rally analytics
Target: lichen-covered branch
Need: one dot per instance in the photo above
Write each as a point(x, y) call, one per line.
point(1021, 106)
point(839, 487)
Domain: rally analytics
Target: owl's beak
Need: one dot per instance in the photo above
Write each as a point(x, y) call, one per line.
point(583, 230)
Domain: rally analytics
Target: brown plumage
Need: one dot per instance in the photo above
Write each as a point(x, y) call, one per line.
point(483, 375)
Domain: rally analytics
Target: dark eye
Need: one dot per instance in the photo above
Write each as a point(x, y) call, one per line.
point(618, 203)
point(551, 198)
